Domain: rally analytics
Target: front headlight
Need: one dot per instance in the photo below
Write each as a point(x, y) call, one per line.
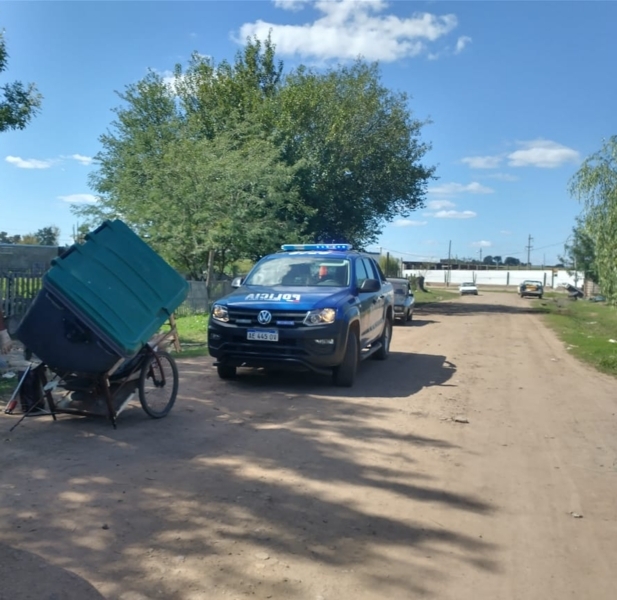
point(220, 313)
point(320, 316)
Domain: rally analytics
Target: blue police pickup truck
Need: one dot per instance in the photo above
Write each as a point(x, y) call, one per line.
point(322, 307)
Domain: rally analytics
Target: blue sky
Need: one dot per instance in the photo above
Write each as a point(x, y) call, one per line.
point(518, 94)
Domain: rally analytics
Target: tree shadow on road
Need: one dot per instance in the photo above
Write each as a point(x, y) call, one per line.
point(261, 466)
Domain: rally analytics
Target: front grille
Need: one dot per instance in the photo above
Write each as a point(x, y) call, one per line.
point(280, 318)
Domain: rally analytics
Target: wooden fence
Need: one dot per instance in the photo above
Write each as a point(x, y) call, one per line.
point(17, 291)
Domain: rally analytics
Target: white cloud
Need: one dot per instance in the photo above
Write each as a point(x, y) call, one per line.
point(78, 198)
point(29, 163)
point(408, 223)
point(349, 28)
point(544, 154)
point(293, 5)
point(461, 43)
point(482, 244)
point(451, 189)
point(439, 204)
point(482, 162)
point(455, 214)
point(80, 158)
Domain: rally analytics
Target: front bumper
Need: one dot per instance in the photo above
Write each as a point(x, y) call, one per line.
point(297, 346)
point(400, 310)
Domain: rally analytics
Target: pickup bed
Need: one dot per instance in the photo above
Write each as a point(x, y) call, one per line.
point(322, 307)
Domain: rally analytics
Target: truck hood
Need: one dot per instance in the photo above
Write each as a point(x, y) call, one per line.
point(285, 298)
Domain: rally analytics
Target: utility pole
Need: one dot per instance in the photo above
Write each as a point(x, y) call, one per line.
point(529, 247)
point(480, 254)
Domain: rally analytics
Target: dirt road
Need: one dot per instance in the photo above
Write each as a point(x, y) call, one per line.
point(288, 488)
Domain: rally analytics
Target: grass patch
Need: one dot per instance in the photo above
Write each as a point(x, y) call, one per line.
point(192, 331)
point(586, 328)
point(433, 295)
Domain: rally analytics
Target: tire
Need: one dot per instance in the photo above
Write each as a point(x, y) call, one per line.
point(409, 317)
point(226, 372)
point(344, 374)
point(158, 384)
point(384, 340)
point(540, 297)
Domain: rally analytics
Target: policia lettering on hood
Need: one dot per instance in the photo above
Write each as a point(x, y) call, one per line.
point(275, 297)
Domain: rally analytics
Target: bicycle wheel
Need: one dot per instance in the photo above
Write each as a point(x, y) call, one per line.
point(158, 384)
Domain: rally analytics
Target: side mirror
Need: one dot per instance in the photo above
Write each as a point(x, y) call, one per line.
point(370, 286)
point(236, 282)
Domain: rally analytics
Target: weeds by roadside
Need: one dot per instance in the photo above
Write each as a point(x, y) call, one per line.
point(588, 329)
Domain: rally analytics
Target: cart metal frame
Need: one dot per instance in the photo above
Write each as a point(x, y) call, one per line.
point(110, 385)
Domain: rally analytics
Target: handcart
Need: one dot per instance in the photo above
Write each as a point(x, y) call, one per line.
point(93, 330)
point(151, 375)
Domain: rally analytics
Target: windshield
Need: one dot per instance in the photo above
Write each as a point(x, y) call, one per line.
point(301, 271)
point(530, 282)
point(469, 284)
point(400, 289)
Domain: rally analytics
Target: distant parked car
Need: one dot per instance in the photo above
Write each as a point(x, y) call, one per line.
point(531, 288)
point(468, 288)
point(404, 300)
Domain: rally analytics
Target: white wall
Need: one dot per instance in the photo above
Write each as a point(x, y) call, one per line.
point(501, 278)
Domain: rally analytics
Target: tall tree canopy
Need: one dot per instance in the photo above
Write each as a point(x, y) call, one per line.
point(235, 158)
point(595, 184)
point(18, 102)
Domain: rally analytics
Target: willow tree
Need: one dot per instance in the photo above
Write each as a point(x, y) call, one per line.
point(595, 184)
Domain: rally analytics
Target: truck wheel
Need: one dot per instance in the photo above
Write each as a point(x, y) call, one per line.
point(409, 316)
point(226, 372)
point(344, 374)
point(384, 340)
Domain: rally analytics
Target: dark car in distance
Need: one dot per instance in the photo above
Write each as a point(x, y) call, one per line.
point(404, 300)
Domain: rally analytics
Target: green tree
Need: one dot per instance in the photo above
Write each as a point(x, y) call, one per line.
point(48, 236)
point(488, 260)
point(5, 238)
point(231, 159)
point(361, 150)
point(29, 239)
point(510, 261)
point(18, 102)
point(595, 184)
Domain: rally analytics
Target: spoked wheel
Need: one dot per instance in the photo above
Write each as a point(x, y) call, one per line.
point(158, 384)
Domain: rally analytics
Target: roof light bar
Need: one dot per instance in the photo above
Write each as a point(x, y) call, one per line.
point(313, 247)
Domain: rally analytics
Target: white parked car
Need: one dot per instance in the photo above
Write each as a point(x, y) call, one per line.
point(468, 288)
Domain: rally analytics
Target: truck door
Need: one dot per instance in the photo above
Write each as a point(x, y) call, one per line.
point(365, 303)
point(379, 299)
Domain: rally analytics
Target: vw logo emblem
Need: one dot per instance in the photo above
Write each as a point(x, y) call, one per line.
point(264, 317)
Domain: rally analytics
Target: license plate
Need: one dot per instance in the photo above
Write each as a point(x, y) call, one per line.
point(263, 335)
